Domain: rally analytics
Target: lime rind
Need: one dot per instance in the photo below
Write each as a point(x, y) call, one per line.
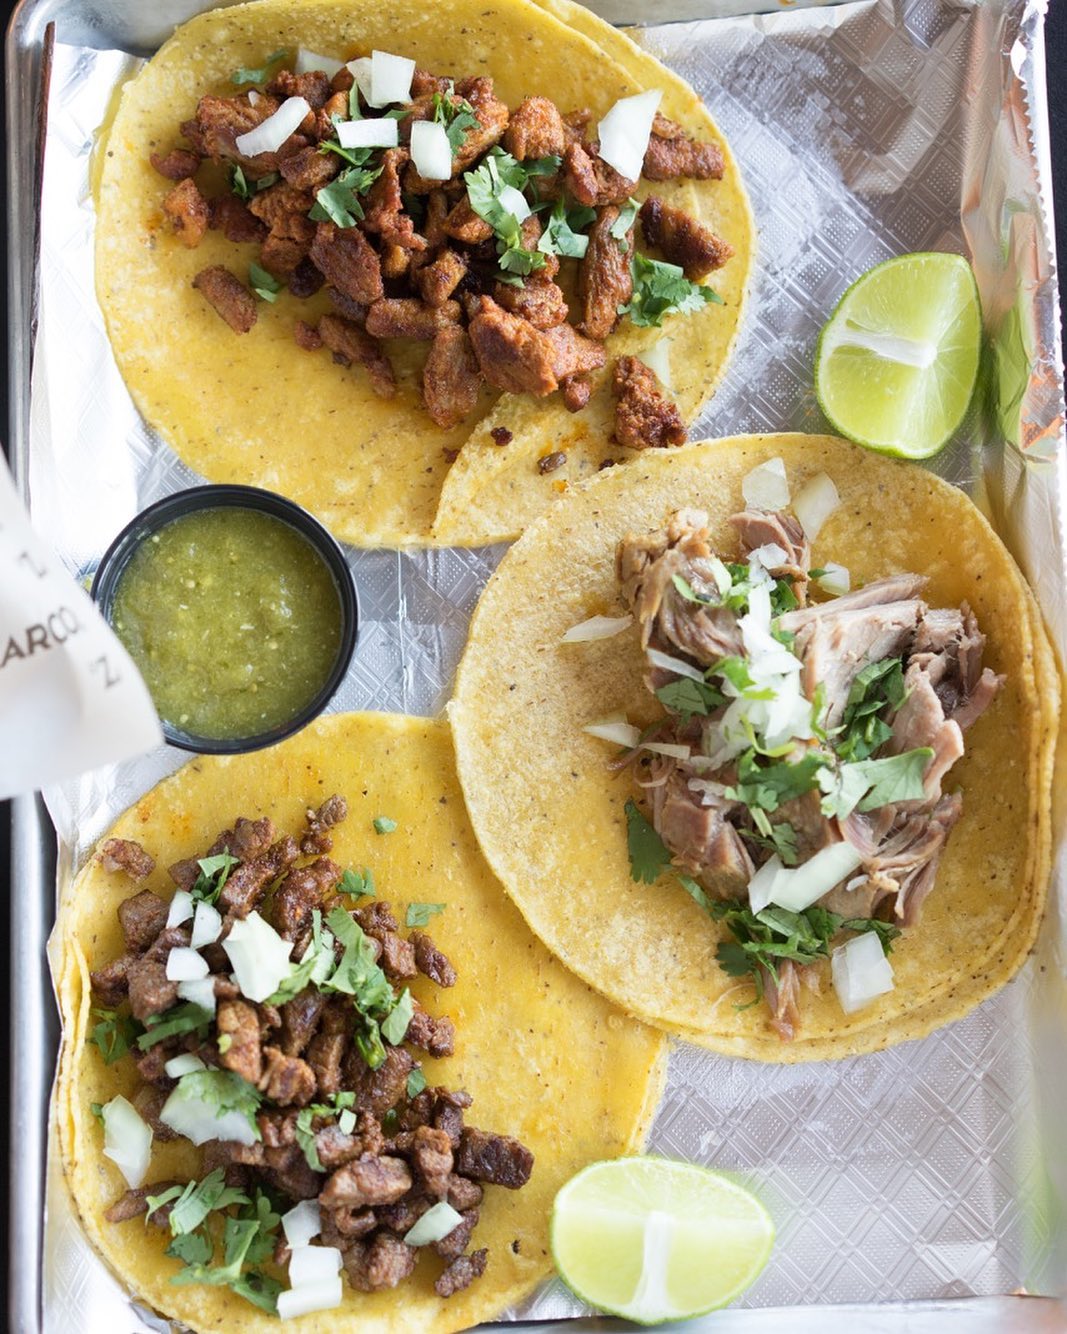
point(923, 311)
point(653, 1227)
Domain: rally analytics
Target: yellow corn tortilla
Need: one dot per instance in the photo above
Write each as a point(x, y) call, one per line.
point(544, 1057)
point(549, 815)
point(257, 409)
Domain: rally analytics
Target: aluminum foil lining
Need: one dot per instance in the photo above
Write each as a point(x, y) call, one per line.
point(933, 1170)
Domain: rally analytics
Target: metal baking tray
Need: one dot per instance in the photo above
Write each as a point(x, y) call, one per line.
point(139, 26)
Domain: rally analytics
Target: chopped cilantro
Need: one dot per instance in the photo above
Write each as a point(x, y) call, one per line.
point(197, 1200)
point(383, 824)
point(562, 235)
point(223, 1090)
point(419, 914)
point(97, 1109)
point(456, 116)
point(338, 1105)
point(261, 75)
point(868, 784)
point(368, 1040)
point(695, 892)
point(315, 965)
point(416, 1082)
point(876, 690)
point(225, 1041)
point(623, 223)
point(683, 586)
point(239, 1235)
point(484, 185)
point(114, 1034)
point(214, 872)
point(780, 837)
point(264, 284)
point(766, 786)
point(185, 1018)
point(338, 202)
point(245, 189)
point(663, 289)
point(687, 697)
point(395, 1024)
point(357, 883)
point(649, 855)
point(194, 1248)
point(358, 975)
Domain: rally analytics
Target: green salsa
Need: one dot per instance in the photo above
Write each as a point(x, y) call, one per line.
point(233, 619)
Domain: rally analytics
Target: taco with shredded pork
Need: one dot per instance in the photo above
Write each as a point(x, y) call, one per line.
point(759, 738)
point(314, 1064)
point(417, 269)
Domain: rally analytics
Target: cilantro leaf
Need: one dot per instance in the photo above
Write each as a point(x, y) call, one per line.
point(876, 690)
point(695, 892)
point(484, 186)
point(457, 116)
point(338, 202)
point(383, 824)
point(368, 1040)
point(779, 837)
point(261, 75)
point(562, 235)
point(663, 289)
point(419, 914)
point(688, 697)
point(264, 284)
point(223, 1090)
point(194, 1248)
point(199, 1199)
point(767, 786)
point(357, 883)
point(686, 589)
point(315, 965)
point(895, 778)
point(395, 1024)
point(238, 1237)
point(114, 1034)
point(416, 1082)
point(649, 855)
point(214, 872)
point(623, 223)
point(185, 1018)
point(359, 976)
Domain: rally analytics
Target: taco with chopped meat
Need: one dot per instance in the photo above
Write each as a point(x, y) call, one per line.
point(758, 735)
point(316, 1065)
point(403, 264)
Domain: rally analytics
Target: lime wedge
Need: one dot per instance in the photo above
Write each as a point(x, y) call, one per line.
point(896, 363)
point(651, 1240)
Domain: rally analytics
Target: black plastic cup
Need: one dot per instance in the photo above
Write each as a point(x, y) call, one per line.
point(197, 498)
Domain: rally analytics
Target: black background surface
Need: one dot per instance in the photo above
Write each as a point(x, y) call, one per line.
point(1056, 32)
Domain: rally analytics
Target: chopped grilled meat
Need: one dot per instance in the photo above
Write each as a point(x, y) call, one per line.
point(461, 1273)
point(384, 210)
point(247, 839)
point(920, 722)
point(343, 1225)
point(448, 1108)
point(463, 1193)
point(397, 958)
point(895, 588)
point(309, 339)
point(111, 983)
point(171, 937)
point(134, 1204)
point(434, 1035)
point(219, 121)
point(437, 281)
point(431, 1156)
point(288, 1171)
point(403, 1215)
point(317, 839)
point(671, 153)
point(325, 1055)
point(284, 209)
point(303, 889)
point(300, 1018)
point(188, 211)
point(492, 116)
point(644, 416)
point(497, 1159)
point(142, 918)
point(383, 1263)
point(761, 528)
point(604, 279)
point(235, 220)
point(577, 390)
point(376, 918)
point(305, 280)
point(464, 225)
point(368, 1179)
point(539, 300)
point(407, 317)
point(350, 345)
point(385, 1086)
point(535, 130)
point(335, 1148)
point(452, 1246)
point(349, 262)
point(123, 854)
point(589, 180)
point(451, 378)
point(249, 881)
point(682, 239)
point(700, 837)
point(287, 1081)
point(238, 1020)
point(228, 296)
point(150, 990)
point(948, 646)
point(308, 169)
point(430, 961)
point(314, 87)
point(177, 165)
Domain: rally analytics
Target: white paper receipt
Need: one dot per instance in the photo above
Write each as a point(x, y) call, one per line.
point(70, 697)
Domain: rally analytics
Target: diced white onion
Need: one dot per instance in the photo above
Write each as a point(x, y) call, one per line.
point(597, 627)
point(431, 152)
point(259, 956)
point(380, 133)
point(771, 556)
point(435, 1223)
point(861, 972)
point(185, 965)
point(390, 78)
point(836, 580)
point(313, 1264)
point(201, 991)
point(658, 358)
point(759, 608)
point(798, 887)
point(302, 1222)
point(347, 1121)
point(677, 665)
point(181, 908)
point(269, 135)
point(185, 1064)
point(127, 1140)
point(360, 71)
point(514, 202)
point(668, 748)
point(625, 131)
point(309, 61)
point(207, 926)
point(322, 1296)
point(200, 1121)
point(766, 487)
point(814, 504)
point(615, 729)
point(254, 97)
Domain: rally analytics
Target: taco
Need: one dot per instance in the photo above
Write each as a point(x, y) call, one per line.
point(390, 1086)
point(825, 827)
point(416, 358)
